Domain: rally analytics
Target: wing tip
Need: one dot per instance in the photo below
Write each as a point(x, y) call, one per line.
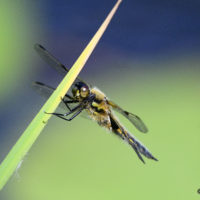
point(140, 150)
point(144, 130)
point(150, 156)
point(153, 158)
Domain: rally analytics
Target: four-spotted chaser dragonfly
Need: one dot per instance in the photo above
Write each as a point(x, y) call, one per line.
point(97, 105)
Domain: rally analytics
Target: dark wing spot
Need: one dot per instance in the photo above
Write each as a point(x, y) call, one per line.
point(39, 45)
point(63, 66)
point(39, 83)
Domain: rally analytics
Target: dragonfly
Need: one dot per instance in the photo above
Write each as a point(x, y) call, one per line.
point(85, 97)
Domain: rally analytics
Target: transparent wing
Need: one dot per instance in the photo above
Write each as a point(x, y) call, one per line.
point(134, 119)
point(45, 91)
point(52, 61)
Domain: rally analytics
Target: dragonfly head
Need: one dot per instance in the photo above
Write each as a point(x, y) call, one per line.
point(80, 90)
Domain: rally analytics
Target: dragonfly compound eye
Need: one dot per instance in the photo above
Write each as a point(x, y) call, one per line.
point(84, 91)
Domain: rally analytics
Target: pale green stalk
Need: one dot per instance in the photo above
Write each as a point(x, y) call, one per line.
point(24, 143)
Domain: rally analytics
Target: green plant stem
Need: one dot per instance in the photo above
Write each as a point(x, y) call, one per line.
point(24, 143)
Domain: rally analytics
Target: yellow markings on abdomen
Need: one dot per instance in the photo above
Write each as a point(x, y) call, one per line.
point(131, 140)
point(119, 130)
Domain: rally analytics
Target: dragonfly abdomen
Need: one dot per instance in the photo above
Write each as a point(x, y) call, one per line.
point(135, 144)
point(139, 148)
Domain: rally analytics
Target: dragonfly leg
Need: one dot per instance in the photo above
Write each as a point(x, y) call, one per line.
point(62, 116)
point(66, 102)
point(69, 97)
point(68, 113)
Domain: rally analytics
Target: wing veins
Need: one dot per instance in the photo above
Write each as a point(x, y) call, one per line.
point(52, 61)
point(134, 119)
point(45, 91)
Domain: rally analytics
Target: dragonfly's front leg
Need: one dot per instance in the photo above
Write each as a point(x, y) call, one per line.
point(66, 102)
point(78, 108)
point(62, 116)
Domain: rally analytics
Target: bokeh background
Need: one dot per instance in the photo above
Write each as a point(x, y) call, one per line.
point(147, 61)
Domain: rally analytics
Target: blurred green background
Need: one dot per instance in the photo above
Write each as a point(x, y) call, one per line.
point(135, 68)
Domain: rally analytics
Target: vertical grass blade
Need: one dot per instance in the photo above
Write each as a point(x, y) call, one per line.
point(24, 143)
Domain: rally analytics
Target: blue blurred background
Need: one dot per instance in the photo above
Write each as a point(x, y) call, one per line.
point(147, 61)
